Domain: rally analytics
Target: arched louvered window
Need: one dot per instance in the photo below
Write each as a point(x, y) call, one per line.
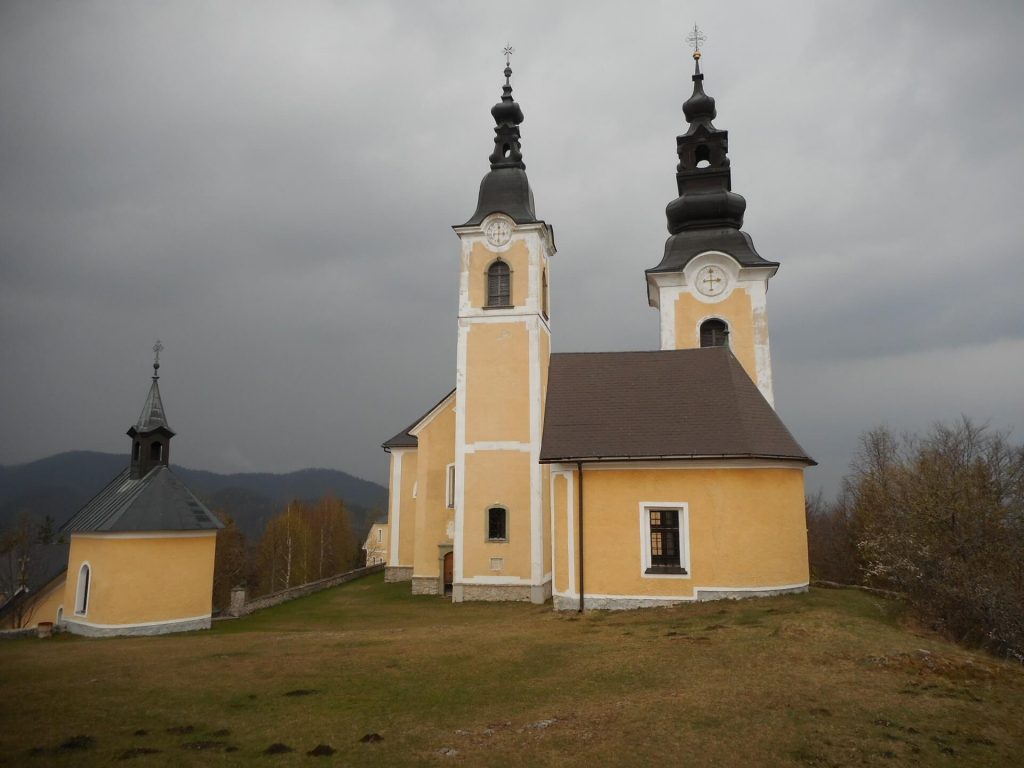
point(714, 333)
point(499, 285)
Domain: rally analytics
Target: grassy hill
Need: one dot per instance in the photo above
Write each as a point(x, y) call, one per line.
point(831, 678)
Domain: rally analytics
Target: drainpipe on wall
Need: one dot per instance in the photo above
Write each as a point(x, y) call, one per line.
point(579, 494)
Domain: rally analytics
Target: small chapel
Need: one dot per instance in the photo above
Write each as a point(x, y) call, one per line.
point(610, 479)
point(142, 550)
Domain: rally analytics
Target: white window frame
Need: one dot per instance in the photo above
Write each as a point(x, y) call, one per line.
point(449, 486)
point(646, 507)
point(83, 590)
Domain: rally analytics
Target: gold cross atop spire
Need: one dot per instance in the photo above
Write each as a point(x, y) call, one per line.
point(157, 349)
point(508, 51)
point(696, 38)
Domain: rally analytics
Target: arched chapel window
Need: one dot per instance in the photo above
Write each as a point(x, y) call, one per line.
point(82, 593)
point(155, 451)
point(714, 333)
point(499, 285)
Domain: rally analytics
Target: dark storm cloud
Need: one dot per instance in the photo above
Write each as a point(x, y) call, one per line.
point(269, 187)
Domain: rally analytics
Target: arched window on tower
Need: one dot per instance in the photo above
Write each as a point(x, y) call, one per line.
point(544, 292)
point(714, 333)
point(499, 285)
point(155, 451)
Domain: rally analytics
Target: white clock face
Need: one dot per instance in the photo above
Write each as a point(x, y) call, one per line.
point(498, 232)
point(712, 280)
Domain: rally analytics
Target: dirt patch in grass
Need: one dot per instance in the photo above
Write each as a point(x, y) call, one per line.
point(277, 748)
point(128, 754)
point(76, 743)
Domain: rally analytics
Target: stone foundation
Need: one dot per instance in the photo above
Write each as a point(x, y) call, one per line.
point(424, 585)
point(520, 593)
point(741, 594)
point(624, 603)
point(393, 573)
point(163, 628)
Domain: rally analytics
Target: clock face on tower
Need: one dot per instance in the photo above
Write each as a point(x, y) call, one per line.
point(498, 232)
point(712, 281)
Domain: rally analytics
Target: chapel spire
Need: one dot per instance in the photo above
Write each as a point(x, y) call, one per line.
point(151, 436)
point(505, 188)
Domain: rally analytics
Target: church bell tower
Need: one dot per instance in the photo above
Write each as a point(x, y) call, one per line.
point(151, 437)
point(501, 544)
point(711, 285)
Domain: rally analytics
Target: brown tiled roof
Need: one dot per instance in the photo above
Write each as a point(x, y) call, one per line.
point(403, 439)
point(689, 403)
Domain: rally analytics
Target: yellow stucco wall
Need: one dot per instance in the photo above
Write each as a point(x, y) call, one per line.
point(406, 504)
point(746, 529)
point(497, 382)
point(137, 580)
point(481, 258)
point(436, 451)
point(497, 478)
point(735, 310)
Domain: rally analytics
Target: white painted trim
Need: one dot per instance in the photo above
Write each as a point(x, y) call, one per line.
point(458, 543)
point(93, 624)
point(449, 486)
point(646, 507)
point(536, 472)
point(498, 445)
point(145, 535)
point(431, 415)
point(758, 292)
point(570, 515)
point(394, 519)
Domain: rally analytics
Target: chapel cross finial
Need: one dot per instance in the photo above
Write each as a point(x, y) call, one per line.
point(157, 349)
point(696, 38)
point(508, 51)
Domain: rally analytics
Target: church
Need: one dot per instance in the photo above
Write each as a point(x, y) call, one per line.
point(604, 480)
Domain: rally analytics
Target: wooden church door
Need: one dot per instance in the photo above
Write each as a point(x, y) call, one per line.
point(449, 571)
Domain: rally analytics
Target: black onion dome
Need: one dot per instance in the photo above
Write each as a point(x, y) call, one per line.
point(707, 214)
point(699, 108)
point(506, 189)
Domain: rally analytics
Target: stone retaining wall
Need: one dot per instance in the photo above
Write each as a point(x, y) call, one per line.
point(241, 606)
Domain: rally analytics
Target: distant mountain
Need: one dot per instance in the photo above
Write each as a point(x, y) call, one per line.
point(60, 485)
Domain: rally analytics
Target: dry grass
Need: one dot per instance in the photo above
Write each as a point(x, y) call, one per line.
point(831, 678)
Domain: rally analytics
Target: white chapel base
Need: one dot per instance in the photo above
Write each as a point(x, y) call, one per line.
point(571, 602)
point(80, 627)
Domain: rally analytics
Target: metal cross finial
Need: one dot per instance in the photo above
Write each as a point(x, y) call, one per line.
point(508, 51)
point(157, 349)
point(696, 38)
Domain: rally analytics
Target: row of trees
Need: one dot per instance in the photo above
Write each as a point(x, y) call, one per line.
point(940, 518)
point(305, 542)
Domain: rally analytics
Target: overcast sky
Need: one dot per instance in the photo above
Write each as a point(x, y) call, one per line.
point(268, 187)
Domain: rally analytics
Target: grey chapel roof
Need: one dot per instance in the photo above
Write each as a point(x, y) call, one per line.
point(689, 403)
point(159, 501)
